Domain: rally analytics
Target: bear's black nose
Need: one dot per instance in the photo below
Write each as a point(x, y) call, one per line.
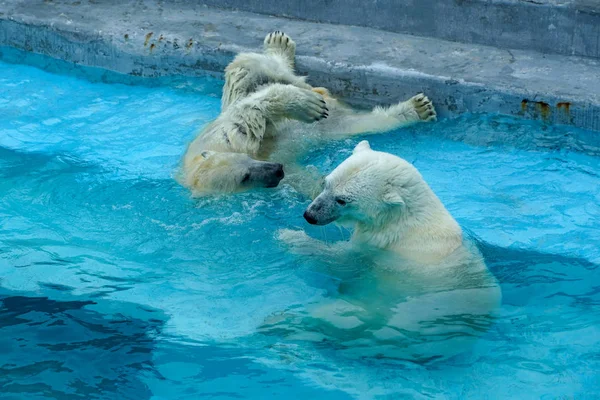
point(279, 171)
point(309, 218)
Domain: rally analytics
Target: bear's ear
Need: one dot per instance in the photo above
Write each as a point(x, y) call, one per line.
point(393, 197)
point(362, 146)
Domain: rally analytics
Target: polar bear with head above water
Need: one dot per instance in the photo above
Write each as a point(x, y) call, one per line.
point(264, 100)
point(418, 290)
point(390, 204)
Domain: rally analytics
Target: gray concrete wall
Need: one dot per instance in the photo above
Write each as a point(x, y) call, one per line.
point(570, 27)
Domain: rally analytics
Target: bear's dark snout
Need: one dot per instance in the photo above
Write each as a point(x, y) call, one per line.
point(309, 218)
point(267, 174)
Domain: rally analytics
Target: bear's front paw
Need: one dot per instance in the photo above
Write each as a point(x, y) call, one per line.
point(307, 106)
point(424, 108)
point(292, 237)
point(279, 43)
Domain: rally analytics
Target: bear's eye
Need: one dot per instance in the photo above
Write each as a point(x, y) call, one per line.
point(246, 178)
point(341, 202)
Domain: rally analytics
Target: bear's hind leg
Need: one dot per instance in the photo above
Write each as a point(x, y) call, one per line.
point(382, 119)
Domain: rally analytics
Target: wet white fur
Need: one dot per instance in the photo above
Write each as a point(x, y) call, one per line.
point(264, 99)
point(425, 292)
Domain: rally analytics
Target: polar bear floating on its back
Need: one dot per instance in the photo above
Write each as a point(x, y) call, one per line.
point(263, 100)
point(418, 291)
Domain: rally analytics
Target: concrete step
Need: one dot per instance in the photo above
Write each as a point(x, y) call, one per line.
point(569, 27)
point(365, 66)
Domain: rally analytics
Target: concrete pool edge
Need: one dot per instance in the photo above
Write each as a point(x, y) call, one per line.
point(365, 66)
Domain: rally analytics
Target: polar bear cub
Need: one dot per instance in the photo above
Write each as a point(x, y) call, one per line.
point(263, 100)
point(423, 292)
point(390, 204)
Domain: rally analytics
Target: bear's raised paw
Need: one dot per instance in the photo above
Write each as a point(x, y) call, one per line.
point(423, 107)
point(279, 43)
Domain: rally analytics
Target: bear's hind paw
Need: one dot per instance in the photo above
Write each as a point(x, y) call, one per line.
point(279, 43)
point(424, 108)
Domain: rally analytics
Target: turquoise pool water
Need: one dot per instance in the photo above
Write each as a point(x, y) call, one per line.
point(115, 284)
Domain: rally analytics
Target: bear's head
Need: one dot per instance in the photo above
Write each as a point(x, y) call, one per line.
point(218, 172)
point(370, 187)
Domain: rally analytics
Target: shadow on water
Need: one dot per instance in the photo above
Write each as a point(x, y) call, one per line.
point(527, 274)
point(55, 349)
point(66, 350)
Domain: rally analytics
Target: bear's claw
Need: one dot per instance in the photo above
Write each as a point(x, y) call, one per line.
point(314, 108)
